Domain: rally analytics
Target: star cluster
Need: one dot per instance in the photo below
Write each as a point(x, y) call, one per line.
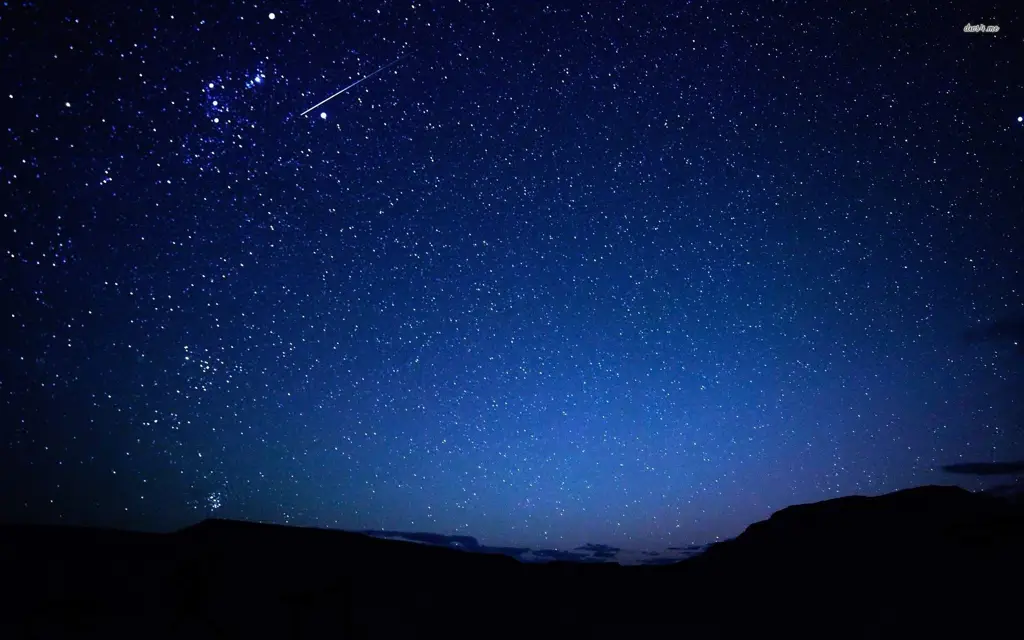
point(636, 274)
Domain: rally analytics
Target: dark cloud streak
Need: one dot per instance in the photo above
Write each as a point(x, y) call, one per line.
point(985, 468)
point(1005, 330)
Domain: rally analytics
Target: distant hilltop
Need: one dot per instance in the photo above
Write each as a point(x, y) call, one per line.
point(930, 561)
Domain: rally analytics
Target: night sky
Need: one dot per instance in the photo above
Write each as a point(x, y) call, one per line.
point(635, 274)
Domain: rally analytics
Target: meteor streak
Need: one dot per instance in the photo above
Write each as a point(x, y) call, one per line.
point(391, 64)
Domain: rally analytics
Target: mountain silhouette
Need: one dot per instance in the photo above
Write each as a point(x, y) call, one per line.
point(931, 561)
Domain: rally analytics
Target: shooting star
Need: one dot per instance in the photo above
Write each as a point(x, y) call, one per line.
point(353, 84)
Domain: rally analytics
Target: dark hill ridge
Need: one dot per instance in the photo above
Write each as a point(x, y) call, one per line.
point(936, 531)
point(934, 560)
point(916, 519)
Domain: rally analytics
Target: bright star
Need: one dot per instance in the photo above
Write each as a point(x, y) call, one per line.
point(323, 115)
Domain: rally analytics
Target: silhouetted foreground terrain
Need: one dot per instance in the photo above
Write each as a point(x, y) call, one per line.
point(925, 562)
